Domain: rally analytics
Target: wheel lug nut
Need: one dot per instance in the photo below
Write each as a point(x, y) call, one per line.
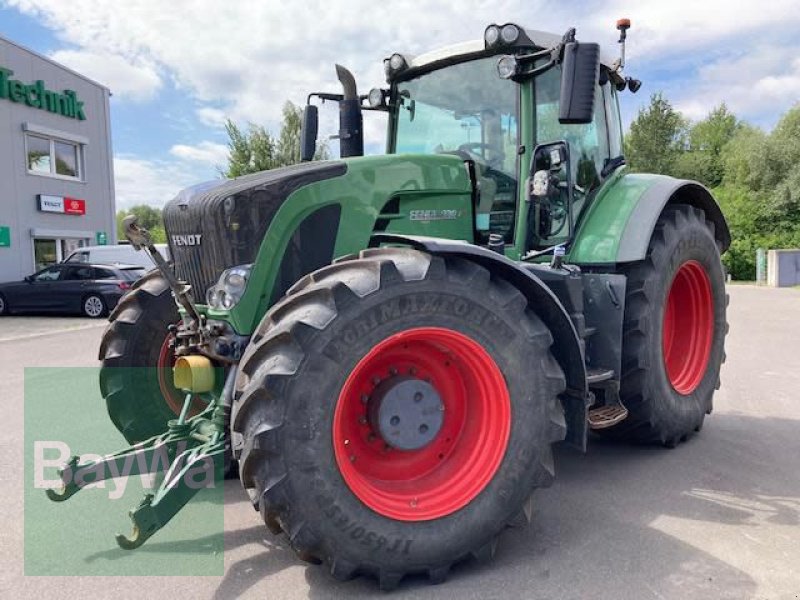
point(418, 397)
point(394, 420)
point(423, 428)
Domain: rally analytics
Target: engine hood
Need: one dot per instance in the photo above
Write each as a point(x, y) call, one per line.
point(218, 224)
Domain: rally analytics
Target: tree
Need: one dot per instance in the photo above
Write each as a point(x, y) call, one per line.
point(257, 150)
point(657, 137)
point(148, 217)
point(703, 161)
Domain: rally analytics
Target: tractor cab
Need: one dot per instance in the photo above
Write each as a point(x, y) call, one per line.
point(534, 116)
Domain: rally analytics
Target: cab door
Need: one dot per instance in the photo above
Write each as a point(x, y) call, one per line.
point(589, 152)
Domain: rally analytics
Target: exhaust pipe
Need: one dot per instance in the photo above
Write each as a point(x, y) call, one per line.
point(351, 126)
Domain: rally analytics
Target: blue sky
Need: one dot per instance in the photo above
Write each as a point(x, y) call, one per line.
point(177, 70)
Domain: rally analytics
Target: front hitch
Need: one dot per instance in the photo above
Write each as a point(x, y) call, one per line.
point(187, 447)
point(141, 239)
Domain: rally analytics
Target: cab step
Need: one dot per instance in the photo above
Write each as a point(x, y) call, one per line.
point(607, 416)
point(595, 376)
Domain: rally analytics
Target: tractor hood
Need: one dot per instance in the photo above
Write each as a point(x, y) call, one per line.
point(219, 224)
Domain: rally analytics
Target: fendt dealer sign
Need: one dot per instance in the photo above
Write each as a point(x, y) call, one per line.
point(61, 204)
point(36, 95)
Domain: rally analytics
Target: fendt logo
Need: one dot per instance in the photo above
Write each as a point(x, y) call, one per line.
point(190, 239)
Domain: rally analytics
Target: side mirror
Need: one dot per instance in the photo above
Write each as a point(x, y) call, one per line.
point(579, 76)
point(308, 134)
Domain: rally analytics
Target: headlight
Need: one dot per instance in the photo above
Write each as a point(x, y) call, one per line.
point(228, 290)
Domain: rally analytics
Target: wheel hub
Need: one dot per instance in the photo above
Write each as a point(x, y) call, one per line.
point(407, 412)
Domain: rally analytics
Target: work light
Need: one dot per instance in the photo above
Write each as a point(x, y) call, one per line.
point(491, 35)
point(375, 98)
point(509, 33)
point(507, 67)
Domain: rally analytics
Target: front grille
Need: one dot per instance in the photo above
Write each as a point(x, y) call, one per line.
point(231, 217)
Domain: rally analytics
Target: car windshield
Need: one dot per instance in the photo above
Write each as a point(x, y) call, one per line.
point(463, 108)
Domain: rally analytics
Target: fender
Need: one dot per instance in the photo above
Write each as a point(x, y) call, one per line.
point(567, 347)
point(620, 222)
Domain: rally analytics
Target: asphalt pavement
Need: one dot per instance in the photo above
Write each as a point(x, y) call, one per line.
point(717, 517)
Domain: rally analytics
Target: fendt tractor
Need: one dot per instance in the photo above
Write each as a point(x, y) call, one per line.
point(389, 346)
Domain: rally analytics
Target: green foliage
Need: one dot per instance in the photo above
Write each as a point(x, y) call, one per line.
point(148, 217)
point(754, 176)
point(656, 139)
point(257, 150)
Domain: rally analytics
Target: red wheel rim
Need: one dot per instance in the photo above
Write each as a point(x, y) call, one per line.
point(688, 327)
point(450, 471)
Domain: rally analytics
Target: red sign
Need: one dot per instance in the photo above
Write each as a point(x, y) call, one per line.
point(74, 206)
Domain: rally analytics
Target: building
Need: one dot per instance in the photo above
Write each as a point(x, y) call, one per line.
point(56, 170)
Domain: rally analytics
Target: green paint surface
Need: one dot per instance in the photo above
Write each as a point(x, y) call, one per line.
point(417, 182)
point(600, 230)
point(5, 237)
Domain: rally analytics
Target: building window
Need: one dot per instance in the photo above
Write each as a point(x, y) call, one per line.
point(56, 158)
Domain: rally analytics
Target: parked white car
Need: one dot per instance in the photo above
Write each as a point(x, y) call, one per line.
point(122, 254)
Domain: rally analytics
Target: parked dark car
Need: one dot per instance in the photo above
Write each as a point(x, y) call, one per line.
point(89, 289)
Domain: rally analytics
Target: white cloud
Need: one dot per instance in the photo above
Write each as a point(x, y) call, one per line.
point(126, 78)
point(206, 152)
point(140, 181)
point(213, 117)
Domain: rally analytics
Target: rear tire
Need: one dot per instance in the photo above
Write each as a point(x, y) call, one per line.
point(673, 332)
point(3, 306)
point(130, 350)
point(311, 459)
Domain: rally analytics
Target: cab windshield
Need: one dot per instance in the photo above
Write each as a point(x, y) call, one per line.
point(467, 110)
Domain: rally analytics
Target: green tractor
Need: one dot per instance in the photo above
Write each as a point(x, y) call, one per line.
point(391, 345)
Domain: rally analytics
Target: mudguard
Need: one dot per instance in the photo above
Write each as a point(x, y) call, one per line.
point(619, 223)
point(566, 342)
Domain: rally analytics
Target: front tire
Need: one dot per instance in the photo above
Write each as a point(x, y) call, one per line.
point(134, 377)
point(673, 332)
point(320, 458)
point(3, 306)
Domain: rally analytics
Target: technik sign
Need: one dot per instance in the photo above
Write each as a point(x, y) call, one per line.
point(36, 95)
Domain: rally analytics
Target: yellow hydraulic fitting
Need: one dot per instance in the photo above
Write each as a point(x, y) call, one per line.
point(193, 373)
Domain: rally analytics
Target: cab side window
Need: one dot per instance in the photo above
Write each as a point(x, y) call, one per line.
point(588, 143)
point(611, 104)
